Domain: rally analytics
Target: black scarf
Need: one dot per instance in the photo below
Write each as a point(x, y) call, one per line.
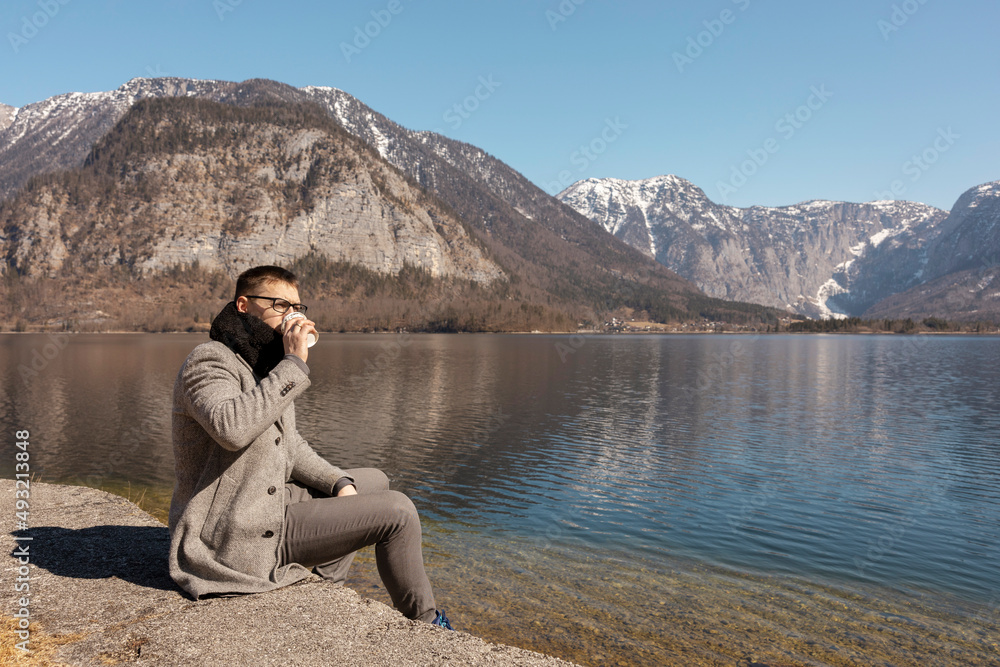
point(249, 337)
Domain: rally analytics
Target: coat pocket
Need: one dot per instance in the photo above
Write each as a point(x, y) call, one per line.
point(221, 507)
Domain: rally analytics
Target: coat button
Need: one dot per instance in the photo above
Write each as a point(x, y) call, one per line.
point(272, 490)
point(277, 440)
point(269, 534)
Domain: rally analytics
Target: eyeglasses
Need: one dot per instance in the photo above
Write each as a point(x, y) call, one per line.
point(281, 306)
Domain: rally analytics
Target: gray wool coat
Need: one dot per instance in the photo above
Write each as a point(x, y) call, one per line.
point(235, 446)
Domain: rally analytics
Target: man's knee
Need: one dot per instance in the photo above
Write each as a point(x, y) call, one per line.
point(379, 480)
point(369, 480)
point(402, 509)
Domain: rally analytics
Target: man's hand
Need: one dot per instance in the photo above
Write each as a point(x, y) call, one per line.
point(296, 336)
point(348, 490)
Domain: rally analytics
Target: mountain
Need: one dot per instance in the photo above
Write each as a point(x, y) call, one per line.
point(57, 133)
point(818, 258)
point(970, 237)
point(960, 267)
point(183, 179)
point(548, 254)
point(970, 295)
point(7, 115)
point(557, 249)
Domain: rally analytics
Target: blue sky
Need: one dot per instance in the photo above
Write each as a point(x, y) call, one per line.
point(755, 102)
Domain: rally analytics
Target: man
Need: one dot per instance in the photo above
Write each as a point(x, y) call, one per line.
point(254, 507)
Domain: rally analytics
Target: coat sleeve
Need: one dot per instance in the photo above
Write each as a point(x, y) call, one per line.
point(232, 417)
point(309, 467)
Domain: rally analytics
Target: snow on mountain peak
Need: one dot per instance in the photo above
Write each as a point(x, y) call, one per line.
point(7, 116)
point(989, 190)
point(771, 255)
point(320, 89)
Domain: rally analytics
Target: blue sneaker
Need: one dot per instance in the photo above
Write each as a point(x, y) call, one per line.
point(441, 620)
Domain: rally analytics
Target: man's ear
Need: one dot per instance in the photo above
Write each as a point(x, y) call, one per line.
point(241, 304)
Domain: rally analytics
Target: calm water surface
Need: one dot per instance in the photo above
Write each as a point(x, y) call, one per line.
point(828, 500)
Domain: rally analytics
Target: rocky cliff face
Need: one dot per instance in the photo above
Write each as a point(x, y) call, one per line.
point(959, 267)
point(818, 258)
point(179, 180)
point(555, 253)
point(7, 115)
point(573, 255)
point(970, 237)
point(971, 295)
point(57, 133)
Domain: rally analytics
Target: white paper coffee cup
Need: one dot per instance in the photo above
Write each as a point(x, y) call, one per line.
point(294, 314)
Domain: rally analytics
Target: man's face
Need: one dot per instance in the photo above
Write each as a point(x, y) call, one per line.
point(263, 308)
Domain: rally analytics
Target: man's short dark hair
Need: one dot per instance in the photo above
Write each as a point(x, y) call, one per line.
point(251, 280)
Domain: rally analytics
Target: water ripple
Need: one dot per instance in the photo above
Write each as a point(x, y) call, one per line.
point(847, 464)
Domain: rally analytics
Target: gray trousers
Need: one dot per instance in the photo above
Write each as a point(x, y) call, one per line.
point(323, 532)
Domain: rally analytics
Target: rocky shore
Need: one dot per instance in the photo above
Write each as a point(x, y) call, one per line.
point(100, 594)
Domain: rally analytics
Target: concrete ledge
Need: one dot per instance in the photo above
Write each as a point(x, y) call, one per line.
point(99, 573)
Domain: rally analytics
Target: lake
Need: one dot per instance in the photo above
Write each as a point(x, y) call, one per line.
point(634, 500)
